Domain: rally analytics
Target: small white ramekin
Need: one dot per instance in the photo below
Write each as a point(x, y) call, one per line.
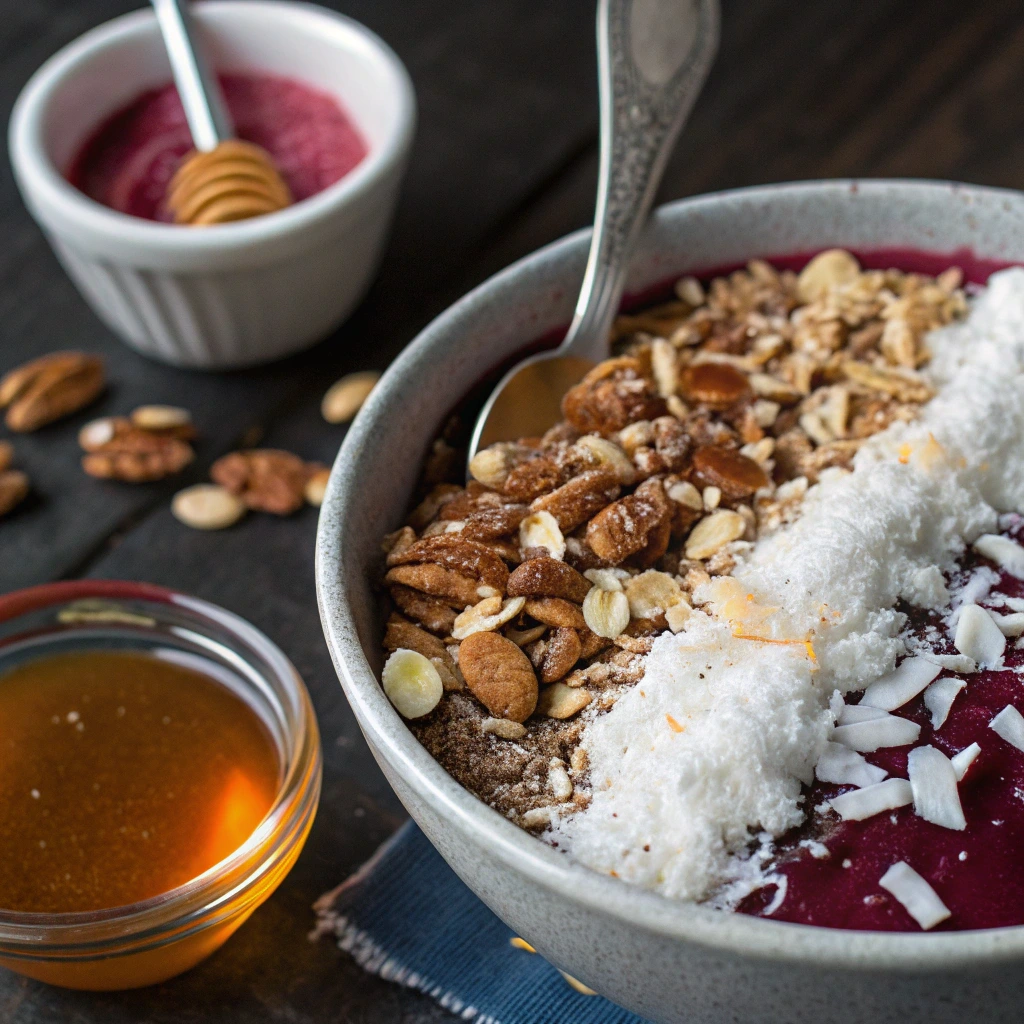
point(235, 294)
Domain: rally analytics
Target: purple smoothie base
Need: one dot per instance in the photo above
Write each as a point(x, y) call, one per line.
point(978, 873)
point(128, 160)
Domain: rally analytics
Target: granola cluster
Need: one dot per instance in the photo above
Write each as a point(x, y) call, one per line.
point(527, 600)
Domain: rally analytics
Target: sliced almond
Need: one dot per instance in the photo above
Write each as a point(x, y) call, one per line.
point(96, 433)
point(664, 366)
point(207, 507)
point(316, 487)
point(160, 417)
point(345, 397)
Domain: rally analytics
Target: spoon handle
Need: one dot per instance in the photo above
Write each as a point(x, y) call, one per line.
point(653, 57)
point(205, 110)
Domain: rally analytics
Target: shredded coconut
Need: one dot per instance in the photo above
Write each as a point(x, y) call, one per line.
point(757, 716)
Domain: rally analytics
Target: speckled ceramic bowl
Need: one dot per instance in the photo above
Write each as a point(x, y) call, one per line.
point(666, 960)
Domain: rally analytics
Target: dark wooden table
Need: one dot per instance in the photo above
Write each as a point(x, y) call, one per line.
point(504, 161)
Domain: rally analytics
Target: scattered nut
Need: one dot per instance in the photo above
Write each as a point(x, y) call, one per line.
point(163, 418)
point(316, 487)
point(50, 388)
point(96, 433)
point(714, 532)
point(412, 683)
point(133, 455)
point(499, 675)
point(345, 397)
point(266, 479)
point(207, 507)
point(6, 455)
point(14, 488)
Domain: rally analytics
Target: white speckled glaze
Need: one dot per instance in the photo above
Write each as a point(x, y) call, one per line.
point(666, 960)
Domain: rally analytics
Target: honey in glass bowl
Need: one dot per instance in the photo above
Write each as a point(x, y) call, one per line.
point(159, 770)
point(123, 775)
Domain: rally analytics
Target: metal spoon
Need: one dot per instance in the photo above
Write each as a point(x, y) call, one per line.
point(653, 57)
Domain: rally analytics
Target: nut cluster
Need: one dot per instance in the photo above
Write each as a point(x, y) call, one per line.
point(540, 586)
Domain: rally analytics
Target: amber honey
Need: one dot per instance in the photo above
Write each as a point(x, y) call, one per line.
point(122, 775)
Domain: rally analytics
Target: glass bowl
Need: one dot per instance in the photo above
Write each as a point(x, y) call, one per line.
point(157, 938)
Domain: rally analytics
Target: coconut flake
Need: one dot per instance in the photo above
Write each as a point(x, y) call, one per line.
point(844, 766)
point(918, 898)
point(1009, 625)
point(901, 685)
point(850, 713)
point(978, 636)
point(958, 663)
point(933, 780)
point(962, 761)
point(871, 800)
point(1009, 724)
point(1007, 554)
point(875, 733)
point(939, 697)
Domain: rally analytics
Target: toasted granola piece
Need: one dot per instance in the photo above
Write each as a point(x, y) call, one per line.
point(548, 577)
point(624, 528)
point(614, 394)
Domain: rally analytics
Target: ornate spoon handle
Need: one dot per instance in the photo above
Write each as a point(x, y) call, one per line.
point(653, 57)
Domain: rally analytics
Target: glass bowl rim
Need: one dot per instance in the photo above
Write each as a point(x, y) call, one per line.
point(219, 891)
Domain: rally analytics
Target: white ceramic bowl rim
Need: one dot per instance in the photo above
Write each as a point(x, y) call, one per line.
point(507, 843)
point(28, 147)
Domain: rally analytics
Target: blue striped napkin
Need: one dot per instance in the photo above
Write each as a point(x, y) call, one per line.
point(407, 917)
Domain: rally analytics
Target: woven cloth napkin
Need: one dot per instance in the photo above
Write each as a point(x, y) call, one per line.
point(406, 916)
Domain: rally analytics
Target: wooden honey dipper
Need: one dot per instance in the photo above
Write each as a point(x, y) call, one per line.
point(224, 179)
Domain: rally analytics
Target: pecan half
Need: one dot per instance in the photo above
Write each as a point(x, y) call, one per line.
point(266, 479)
point(555, 611)
point(492, 523)
point(49, 388)
point(499, 675)
point(716, 385)
point(548, 577)
point(735, 475)
point(14, 487)
point(466, 557)
point(561, 653)
point(532, 478)
point(575, 502)
point(433, 579)
point(614, 394)
point(624, 528)
point(431, 612)
point(135, 455)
